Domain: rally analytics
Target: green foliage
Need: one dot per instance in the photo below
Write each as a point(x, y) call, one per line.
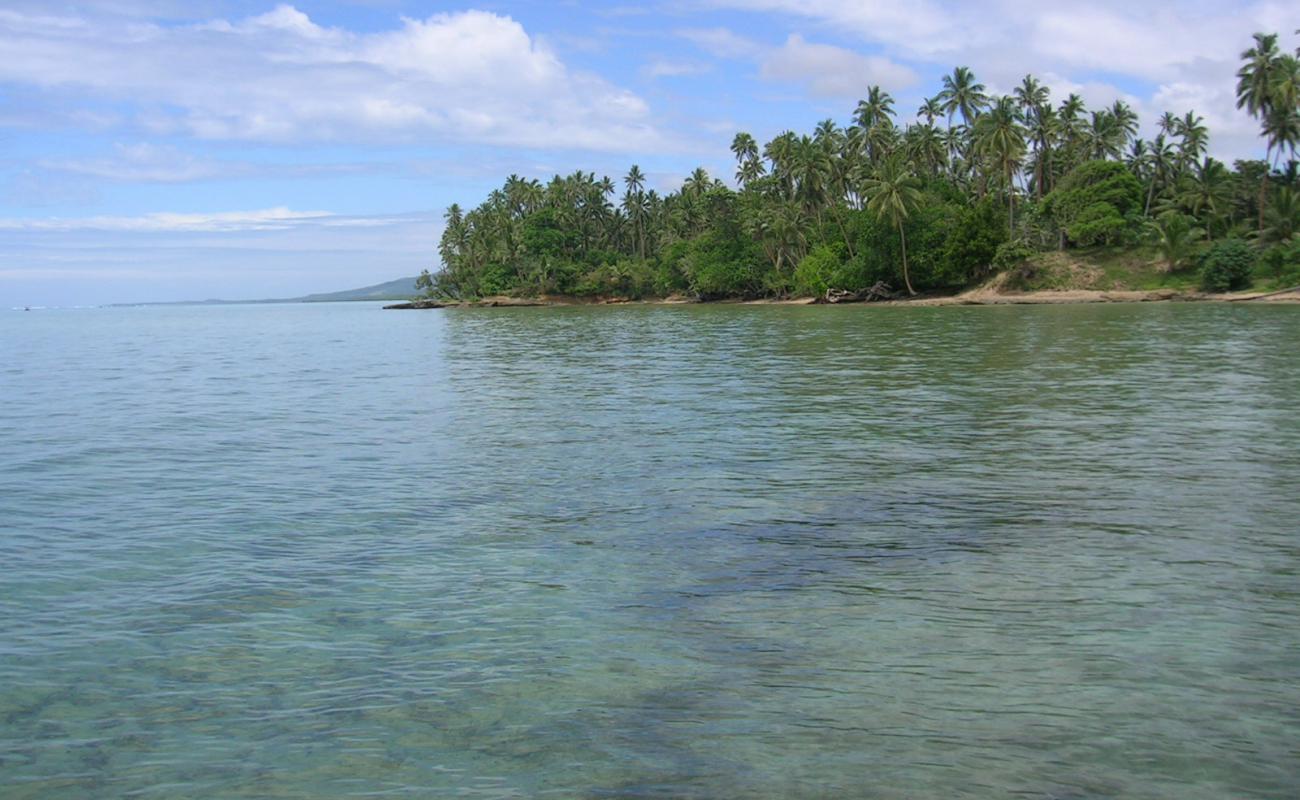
point(424, 283)
point(1227, 266)
point(1174, 234)
point(717, 265)
point(1281, 264)
point(973, 241)
point(928, 206)
point(1092, 203)
point(818, 271)
point(1012, 254)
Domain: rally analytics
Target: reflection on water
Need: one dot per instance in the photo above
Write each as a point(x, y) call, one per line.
point(726, 551)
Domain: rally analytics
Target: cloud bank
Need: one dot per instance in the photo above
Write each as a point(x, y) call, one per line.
point(279, 77)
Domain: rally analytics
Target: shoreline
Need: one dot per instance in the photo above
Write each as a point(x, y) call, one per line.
point(973, 297)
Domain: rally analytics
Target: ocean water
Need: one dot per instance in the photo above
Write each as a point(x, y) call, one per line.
point(320, 551)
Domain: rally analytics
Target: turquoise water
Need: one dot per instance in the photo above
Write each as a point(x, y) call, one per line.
point(328, 551)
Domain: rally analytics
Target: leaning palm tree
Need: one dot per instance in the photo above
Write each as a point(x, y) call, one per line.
point(894, 193)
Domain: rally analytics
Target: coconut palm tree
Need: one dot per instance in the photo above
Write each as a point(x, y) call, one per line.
point(878, 107)
point(1195, 137)
point(1283, 216)
point(634, 205)
point(1205, 192)
point(1044, 129)
point(1126, 120)
point(1000, 138)
point(780, 152)
point(962, 94)
point(748, 166)
point(930, 110)
point(1031, 94)
point(894, 193)
point(1281, 126)
point(924, 146)
point(1174, 234)
point(1163, 163)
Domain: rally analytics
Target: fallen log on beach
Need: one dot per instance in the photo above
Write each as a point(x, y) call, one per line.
point(876, 292)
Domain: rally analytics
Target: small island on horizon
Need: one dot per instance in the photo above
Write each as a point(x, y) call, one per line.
point(982, 199)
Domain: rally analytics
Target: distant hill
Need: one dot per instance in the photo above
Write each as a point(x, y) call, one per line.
point(400, 289)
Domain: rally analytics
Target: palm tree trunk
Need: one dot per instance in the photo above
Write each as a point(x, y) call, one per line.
point(1151, 193)
point(1263, 198)
point(1011, 205)
point(902, 237)
point(843, 231)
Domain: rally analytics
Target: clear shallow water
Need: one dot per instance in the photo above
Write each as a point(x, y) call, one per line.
point(328, 551)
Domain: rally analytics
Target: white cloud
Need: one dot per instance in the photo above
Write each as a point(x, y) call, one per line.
point(280, 77)
point(144, 163)
point(1164, 56)
point(165, 221)
point(833, 71)
point(721, 42)
point(666, 68)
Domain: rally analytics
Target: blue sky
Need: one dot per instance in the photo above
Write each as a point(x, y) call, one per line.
point(238, 149)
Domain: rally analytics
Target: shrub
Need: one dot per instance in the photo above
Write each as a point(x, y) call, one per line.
point(1282, 264)
point(719, 264)
point(972, 243)
point(1227, 266)
point(817, 272)
point(1093, 202)
point(1012, 254)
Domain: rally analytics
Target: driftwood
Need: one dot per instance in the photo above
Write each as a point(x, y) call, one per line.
point(879, 291)
point(1262, 296)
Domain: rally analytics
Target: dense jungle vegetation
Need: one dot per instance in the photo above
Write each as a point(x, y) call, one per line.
point(976, 184)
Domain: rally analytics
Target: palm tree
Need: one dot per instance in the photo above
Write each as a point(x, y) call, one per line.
point(1195, 137)
point(924, 145)
point(962, 93)
point(634, 205)
point(999, 137)
point(1283, 216)
point(1104, 136)
point(1162, 161)
point(1206, 191)
point(1126, 119)
point(930, 110)
point(1044, 128)
point(1031, 94)
point(877, 108)
point(780, 152)
point(748, 167)
point(1282, 124)
point(1168, 124)
point(635, 179)
point(1174, 234)
point(893, 193)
